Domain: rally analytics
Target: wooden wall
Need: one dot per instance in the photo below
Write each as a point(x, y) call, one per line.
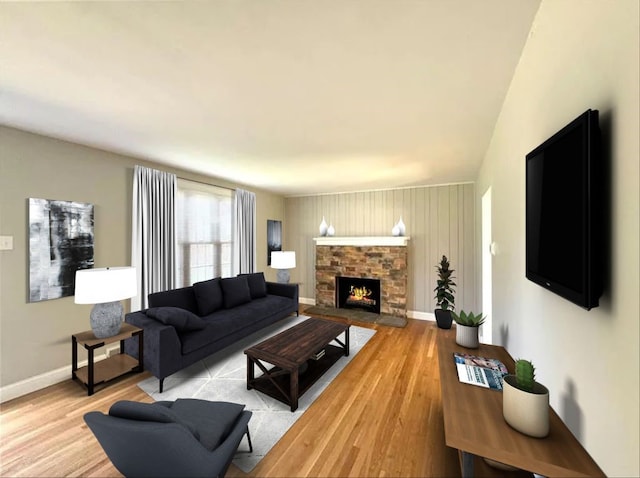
point(439, 220)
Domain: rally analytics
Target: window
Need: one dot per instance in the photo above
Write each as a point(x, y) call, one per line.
point(204, 223)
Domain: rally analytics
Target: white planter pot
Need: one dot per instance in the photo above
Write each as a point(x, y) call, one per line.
point(525, 411)
point(467, 336)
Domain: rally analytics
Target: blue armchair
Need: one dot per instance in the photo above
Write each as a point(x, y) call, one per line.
point(184, 438)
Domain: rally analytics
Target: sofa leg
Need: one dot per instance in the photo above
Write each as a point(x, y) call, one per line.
point(161, 384)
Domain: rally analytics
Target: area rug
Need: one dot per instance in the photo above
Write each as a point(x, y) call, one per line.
point(223, 377)
point(357, 315)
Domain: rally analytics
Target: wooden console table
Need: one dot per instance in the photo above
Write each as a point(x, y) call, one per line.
point(474, 424)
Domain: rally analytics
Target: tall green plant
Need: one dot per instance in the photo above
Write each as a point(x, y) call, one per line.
point(445, 286)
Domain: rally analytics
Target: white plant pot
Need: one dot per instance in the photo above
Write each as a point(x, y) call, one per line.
point(527, 412)
point(467, 336)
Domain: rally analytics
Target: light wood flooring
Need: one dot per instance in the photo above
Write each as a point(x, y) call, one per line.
point(382, 416)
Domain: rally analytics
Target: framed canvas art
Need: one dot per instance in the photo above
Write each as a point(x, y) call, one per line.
point(274, 238)
point(60, 243)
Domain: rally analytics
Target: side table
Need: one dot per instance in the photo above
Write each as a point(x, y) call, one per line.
point(109, 368)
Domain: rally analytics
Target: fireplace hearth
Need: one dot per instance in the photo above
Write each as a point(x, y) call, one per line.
point(358, 293)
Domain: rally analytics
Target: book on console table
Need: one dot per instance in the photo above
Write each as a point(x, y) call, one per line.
point(480, 371)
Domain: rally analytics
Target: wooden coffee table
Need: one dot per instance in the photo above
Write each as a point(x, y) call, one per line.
point(291, 355)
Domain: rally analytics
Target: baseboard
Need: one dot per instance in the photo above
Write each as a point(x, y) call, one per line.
point(415, 314)
point(33, 384)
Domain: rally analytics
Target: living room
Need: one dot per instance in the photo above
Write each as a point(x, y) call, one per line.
point(577, 55)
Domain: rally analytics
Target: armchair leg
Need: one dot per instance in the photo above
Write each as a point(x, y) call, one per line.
point(249, 440)
point(161, 385)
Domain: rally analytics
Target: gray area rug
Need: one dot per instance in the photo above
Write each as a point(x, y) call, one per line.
point(358, 316)
point(223, 377)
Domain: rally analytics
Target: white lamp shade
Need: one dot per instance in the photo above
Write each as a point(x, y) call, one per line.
point(283, 259)
point(97, 286)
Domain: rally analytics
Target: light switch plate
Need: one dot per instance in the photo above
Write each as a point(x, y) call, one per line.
point(6, 243)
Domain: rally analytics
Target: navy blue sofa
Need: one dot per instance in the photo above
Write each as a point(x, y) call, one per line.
point(182, 326)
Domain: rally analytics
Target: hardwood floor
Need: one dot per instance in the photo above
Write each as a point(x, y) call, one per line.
point(382, 416)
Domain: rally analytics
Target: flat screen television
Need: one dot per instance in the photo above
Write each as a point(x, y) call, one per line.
point(564, 212)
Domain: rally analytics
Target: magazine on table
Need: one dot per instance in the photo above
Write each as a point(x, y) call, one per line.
point(480, 371)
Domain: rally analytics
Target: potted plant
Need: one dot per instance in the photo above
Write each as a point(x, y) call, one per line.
point(444, 294)
point(525, 402)
point(467, 327)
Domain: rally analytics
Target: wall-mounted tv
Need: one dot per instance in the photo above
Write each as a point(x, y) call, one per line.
point(564, 212)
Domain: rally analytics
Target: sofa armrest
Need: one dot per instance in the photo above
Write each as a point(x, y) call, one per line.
point(162, 347)
point(284, 290)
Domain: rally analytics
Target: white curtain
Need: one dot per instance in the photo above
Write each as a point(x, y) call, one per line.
point(245, 232)
point(153, 232)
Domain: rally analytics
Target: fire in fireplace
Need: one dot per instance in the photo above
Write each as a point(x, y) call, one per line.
point(358, 293)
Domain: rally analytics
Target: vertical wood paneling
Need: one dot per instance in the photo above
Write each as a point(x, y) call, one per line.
point(439, 220)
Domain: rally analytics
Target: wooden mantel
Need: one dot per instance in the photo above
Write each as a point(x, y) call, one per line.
point(400, 241)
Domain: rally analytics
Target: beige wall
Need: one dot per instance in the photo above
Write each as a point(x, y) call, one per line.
point(35, 337)
point(581, 54)
point(439, 220)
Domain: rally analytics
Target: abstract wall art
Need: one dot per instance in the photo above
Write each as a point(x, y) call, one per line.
point(274, 238)
point(60, 242)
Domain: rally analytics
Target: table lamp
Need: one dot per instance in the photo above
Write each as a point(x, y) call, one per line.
point(105, 288)
point(283, 261)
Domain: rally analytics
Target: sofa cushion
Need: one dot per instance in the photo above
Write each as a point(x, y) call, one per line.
point(208, 296)
point(150, 412)
point(182, 297)
point(213, 420)
point(257, 284)
point(181, 319)
point(236, 291)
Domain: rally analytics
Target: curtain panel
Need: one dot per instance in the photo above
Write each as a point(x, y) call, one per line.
point(245, 232)
point(153, 232)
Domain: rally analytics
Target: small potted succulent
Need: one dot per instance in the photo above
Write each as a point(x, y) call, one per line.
point(444, 294)
point(467, 328)
point(525, 402)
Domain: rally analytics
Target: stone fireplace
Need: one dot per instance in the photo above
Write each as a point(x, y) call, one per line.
point(379, 258)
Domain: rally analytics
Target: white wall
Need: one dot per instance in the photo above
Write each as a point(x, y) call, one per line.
point(580, 54)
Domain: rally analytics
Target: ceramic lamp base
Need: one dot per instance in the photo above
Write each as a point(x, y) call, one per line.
point(106, 319)
point(283, 276)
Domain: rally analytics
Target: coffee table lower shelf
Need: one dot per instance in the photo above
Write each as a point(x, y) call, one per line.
point(306, 377)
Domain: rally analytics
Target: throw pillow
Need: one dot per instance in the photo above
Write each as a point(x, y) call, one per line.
point(208, 296)
point(213, 420)
point(182, 297)
point(181, 319)
point(257, 284)
point(236, 291)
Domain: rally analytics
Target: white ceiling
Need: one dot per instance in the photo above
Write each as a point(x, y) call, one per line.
point(293, 96)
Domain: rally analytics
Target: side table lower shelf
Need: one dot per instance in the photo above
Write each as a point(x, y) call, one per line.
point(95, 373)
